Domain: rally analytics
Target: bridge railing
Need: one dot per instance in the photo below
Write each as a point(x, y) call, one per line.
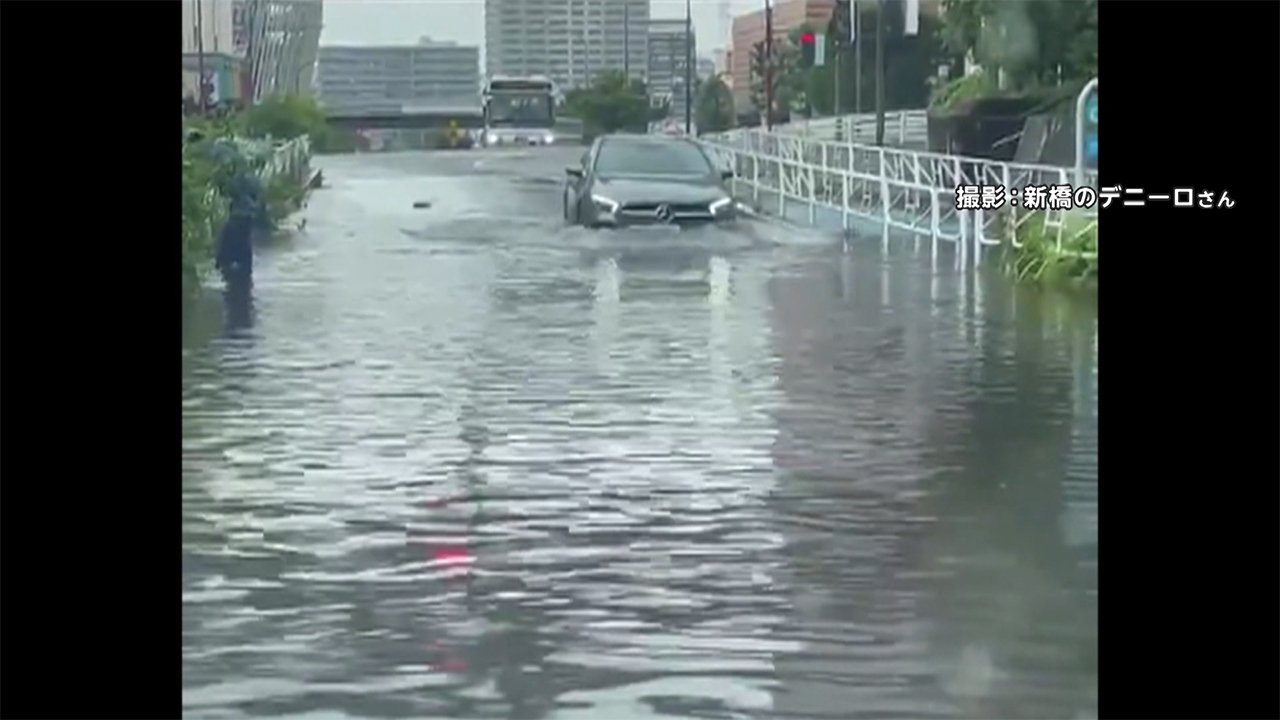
point(823, 182)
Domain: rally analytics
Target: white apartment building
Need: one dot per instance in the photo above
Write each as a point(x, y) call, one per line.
point(569, 41)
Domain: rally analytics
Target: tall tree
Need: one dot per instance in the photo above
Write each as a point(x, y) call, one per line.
point(715, 106)
point(611, 104)
point(1043, 43)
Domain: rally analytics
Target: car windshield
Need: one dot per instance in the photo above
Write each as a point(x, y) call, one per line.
point(520, 110)
point(638, 157)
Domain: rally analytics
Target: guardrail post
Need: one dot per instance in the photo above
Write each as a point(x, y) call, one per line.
point(979, 235)
point(933, 222)
point(844, 201)
point(755, 179)
point(884, 192)
point(782, 197)
point(902, 128)
point(977, 252)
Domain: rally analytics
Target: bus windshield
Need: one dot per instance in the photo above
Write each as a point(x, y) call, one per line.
point(523, 109)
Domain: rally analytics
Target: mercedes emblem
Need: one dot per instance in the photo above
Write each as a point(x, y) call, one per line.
point(664, 213)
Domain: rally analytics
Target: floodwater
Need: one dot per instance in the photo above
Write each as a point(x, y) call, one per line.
point(464, 462)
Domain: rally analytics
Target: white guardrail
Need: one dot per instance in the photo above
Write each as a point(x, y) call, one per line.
point(291, 159)
point(839, 184)
point(905, 128)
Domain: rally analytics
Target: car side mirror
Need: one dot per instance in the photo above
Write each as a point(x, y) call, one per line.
point(573, 172)
point(726, 174)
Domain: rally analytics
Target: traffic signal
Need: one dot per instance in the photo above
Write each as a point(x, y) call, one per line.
point(807, 42)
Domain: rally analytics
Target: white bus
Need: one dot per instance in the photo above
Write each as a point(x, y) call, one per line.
point(519, 111)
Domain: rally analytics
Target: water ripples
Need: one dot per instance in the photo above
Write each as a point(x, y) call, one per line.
point(468, 463)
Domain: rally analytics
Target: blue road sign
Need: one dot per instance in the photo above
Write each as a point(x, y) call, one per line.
point(1091, 130)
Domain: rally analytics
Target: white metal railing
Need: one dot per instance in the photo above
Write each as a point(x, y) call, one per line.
point(900, 189)
point(291, 159)
point(901, 128)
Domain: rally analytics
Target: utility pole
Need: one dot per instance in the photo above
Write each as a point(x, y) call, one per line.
point(768, 66)
point(880, 17)
point(857, 59)
point(626, 43)
point(835, 92)
point(204, 96)
point(586, 40)
point(688, 67)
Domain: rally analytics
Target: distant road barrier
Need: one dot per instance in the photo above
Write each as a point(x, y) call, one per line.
point(903, 128)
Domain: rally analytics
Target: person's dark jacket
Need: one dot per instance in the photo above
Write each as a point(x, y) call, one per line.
point(247, 206)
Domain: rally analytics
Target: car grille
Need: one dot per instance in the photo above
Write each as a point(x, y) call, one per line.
point(681, 213)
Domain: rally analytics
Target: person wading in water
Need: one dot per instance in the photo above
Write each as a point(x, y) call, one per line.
point(241, 186)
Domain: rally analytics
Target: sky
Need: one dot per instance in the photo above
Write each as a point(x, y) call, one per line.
point(391, 22)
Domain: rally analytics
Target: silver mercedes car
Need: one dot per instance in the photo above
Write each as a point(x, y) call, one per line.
point(630, 180)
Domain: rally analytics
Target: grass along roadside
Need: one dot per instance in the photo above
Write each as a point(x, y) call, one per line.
point(1057, 249)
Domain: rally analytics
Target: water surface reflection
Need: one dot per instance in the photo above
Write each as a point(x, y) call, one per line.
point(467, 467)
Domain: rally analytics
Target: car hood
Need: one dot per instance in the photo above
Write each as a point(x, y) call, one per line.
point(630, 190)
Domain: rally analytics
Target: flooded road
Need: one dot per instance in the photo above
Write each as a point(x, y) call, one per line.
point(464, 462)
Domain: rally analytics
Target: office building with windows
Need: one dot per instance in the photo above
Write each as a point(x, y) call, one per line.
point(393, 77)
point(568, 41)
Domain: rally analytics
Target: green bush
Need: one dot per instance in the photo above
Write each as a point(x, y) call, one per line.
point(285, 117)
point(203, 212)
point(952, 95)
point(1037, 257)
point(612, 104)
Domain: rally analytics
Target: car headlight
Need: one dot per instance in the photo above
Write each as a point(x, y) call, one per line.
point(491, 138)
point(548, 139)
point(606, 204)
point(721, 206)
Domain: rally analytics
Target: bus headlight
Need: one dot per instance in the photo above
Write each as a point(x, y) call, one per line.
point(491, 139)
point(548, 139)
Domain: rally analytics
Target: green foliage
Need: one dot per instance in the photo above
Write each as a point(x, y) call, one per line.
point(954, 94)
point(285, 117)
point(284, 196)
point(1037, 44)
point(203, 212)
point(1038, 257)
point(910, 62)
point(786, 61)
point(215, 168)
point(612, 104)
point(715, 107)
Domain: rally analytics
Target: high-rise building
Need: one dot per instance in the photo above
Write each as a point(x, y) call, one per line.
point(281, 40)
point(373, 78)
point(569, 41)
point(671, 44)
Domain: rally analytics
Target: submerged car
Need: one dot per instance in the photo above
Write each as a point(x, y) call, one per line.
point(637, 180)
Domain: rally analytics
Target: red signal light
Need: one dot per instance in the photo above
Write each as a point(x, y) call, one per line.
point(807, 38)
